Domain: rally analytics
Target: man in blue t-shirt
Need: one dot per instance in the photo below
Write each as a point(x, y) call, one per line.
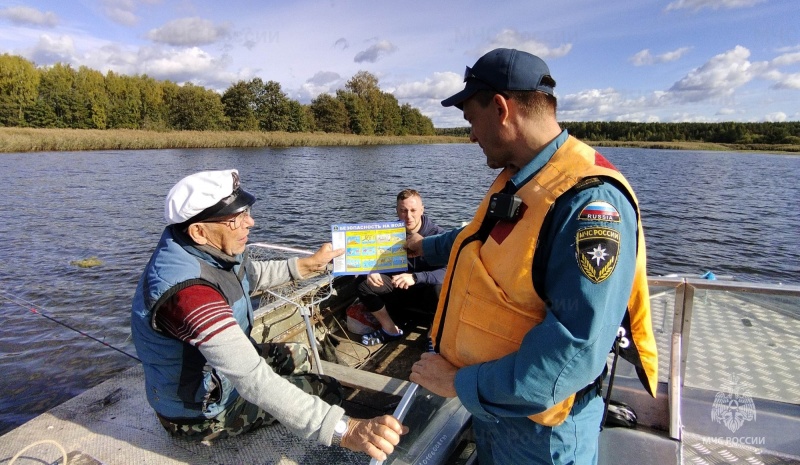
point(417, 288)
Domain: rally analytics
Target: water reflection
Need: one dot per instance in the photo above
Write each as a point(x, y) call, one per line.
point(727, 212)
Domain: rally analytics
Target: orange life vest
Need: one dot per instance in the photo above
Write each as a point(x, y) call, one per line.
point(488, 301)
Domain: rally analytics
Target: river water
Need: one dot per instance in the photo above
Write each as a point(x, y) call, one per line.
point(730, 213)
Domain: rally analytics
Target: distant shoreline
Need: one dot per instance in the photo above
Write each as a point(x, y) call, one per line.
point(55, 140)
point(14, 140)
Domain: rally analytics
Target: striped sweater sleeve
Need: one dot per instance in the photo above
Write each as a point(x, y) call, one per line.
point(198, 315)
point(195, 315)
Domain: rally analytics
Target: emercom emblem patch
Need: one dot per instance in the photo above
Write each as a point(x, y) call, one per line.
point(597, 252)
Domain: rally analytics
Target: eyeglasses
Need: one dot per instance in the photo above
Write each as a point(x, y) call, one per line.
point(237, 221)
point(468, 74)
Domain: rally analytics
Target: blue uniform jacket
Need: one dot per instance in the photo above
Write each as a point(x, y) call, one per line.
point(576, 309)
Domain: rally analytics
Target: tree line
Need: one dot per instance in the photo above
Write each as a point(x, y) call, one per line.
point(60, 96)
point(722, 133)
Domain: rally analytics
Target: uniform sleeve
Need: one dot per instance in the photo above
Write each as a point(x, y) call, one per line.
point(587, 285)
point(423, 270)
point(436, 249)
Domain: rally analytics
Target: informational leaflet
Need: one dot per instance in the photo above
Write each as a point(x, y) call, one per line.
point(369, 247)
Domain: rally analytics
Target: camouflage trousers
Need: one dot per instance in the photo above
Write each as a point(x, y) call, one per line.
point(291, 361)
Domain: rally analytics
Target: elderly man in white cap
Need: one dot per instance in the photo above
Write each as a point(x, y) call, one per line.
point(191, 319)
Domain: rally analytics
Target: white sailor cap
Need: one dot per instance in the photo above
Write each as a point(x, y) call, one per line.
point(206, 195)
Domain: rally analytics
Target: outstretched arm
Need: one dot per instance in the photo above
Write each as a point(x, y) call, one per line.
point(318, 261)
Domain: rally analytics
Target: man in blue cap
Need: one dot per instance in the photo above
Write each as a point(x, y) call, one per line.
point(191, 320)
point(539, 282)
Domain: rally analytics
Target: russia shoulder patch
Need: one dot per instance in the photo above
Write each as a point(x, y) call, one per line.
point(599, 211)
point(597, 251)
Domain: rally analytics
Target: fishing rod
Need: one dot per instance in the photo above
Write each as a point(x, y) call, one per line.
point(32, 307)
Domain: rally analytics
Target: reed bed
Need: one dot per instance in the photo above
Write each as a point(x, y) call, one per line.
point(688, 145)
point(47, 140)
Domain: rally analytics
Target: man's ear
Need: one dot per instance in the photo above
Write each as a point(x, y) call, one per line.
point(197, 233)
point(501, 104)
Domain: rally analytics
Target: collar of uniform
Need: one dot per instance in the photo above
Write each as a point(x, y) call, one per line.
point(528, 171)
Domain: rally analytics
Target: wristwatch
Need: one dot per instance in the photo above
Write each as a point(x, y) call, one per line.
point(339, 430)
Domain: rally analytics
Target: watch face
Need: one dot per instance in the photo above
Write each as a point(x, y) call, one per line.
point(341, 426)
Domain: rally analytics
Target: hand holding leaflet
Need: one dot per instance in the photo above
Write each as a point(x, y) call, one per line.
point(369, 247)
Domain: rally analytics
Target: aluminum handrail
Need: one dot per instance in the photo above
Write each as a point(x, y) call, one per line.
point(684, 288)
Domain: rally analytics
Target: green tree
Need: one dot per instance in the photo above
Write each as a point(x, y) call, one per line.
point(364, 84)
point(19, 86)
point(239, 103)
point(330, 115)
point(298, 117)
point(124, 101)
point(271, 105)
point(273, 108)
point(358, 114)
point(414, 122)
point(194, 108)
point(90, 91)
point(388, 121)
point(56, 91)
point(153, 110)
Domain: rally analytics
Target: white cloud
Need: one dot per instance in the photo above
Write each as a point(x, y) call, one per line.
point(795, 48)
point(712, 4)
point(605, 104)
point(178, 65)
point(785, 81)
point(510, 38)
point(439, 86)
point(188, 32)
point(111, 57)
point(786, 59)
point(718, 77)
point(188, 65)
point(777, 117)
point(120, 11)
point(323, 82)
point(26, 16)
point(690, 118)
point(638, 117)
point(51, 50)
point(375, 52)
point(644, 57)
point(673, 55)
point(324, 77)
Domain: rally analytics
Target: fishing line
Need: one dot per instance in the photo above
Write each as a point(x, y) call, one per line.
point(32, 307)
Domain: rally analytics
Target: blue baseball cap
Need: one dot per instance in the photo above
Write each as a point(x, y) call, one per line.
point(503, 69)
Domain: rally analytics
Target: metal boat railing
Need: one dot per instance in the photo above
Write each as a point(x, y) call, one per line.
point(727, 305)
point(694, 355)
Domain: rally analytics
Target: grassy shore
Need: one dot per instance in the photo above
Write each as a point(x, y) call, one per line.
point(682, 145)
point(41, 140)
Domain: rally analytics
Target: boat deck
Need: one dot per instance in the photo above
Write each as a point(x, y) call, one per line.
point(733, 341)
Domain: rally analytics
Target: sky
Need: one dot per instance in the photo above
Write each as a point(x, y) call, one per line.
point(616, 60)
